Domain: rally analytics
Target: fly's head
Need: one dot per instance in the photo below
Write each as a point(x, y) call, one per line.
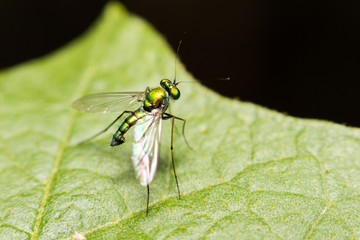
point(171, 88)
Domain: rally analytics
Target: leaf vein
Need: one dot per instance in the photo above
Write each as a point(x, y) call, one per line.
point(316, 222)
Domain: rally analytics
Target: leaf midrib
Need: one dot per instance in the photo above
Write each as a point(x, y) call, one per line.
point(84, 83)
point(85, 80)
point(53, 174)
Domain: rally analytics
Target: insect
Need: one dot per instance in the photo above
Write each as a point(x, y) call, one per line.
point(147, 120)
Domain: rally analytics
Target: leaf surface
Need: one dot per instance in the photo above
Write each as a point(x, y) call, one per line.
point(252, 174)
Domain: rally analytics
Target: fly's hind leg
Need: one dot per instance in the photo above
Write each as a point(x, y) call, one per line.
point(147, 201)
point(107, 128)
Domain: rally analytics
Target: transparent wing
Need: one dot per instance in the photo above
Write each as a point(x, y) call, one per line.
point(146, 146)
point(109, 102)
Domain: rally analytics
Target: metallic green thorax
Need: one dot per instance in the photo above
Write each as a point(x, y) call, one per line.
point(155, 98)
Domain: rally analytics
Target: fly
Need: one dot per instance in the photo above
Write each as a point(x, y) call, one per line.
point(146, 119)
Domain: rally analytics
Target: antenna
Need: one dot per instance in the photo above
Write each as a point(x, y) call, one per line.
point(211, 80)
point(176, 59)
point(223, 79)
point(177, 56)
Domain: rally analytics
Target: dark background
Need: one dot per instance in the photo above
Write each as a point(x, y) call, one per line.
point(299, 57)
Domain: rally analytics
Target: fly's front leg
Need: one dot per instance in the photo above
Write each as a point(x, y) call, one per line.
point(165, 117)
point(168, 116)
point(107, 128)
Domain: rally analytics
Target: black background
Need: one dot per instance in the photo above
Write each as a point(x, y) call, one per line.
point(299, 57)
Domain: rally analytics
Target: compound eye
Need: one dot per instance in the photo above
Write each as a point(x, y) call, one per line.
point(164, 83)
point(175, 93)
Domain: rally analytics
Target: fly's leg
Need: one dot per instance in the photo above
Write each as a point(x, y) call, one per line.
point(147, 202)
point(172, 154)
point(168, 116)
point(107, 128)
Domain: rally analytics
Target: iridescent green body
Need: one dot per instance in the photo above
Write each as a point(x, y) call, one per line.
point(155, 98)
point(147, 122)
point(126, 125)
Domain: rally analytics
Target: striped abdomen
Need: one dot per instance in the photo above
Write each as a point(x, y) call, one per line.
point(131, 120)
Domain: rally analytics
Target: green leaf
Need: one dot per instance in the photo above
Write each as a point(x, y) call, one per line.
point(253, 173)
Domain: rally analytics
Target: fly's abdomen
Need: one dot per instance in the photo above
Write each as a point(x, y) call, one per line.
point(118, 137)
